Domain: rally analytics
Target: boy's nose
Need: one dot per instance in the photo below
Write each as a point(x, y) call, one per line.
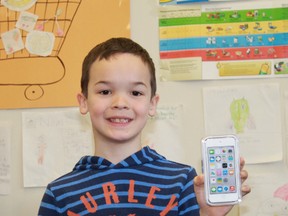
point(120, 102)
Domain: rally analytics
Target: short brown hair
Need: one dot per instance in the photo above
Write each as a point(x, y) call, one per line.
point(111, 47)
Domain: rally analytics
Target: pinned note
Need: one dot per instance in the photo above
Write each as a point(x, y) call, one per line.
point(5, 166)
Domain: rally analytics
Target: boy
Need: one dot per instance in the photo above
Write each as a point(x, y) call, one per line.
point(119, 92)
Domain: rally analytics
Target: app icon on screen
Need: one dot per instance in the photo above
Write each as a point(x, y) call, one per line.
point(219, 180)
point(219, 189)
point(212, 159)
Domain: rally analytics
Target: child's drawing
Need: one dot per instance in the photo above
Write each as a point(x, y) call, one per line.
point(12, 41)
point(240, 115)
point(18, 5)
point(55, 19)
point(42, 145)
point(276, 206)
point(26, 21)
point(40, 43)
point(282, 192)
point(240, 112)
point(273, 207)
point(252, 112)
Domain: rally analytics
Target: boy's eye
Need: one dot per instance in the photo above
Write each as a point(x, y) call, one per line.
point(136, 93)
point(105, 92)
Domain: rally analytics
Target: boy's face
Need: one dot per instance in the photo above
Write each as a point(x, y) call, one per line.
point(119, 98)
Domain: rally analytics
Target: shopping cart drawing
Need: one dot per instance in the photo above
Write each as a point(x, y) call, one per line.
point(54, 17)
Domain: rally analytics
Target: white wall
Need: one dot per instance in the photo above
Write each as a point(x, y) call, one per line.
point(25, 201)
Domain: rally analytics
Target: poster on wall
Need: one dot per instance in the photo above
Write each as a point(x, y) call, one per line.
point(53, 142)
point(179, 2)
point(269, 196)
point(5, 157)
point(252, 113)
point(224, 40)
point(168, 120)
point(42, 47)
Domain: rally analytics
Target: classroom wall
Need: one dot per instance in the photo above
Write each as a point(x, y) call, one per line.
point(144, 30)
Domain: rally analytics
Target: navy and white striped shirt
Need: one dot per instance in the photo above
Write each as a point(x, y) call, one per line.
point(144, 184)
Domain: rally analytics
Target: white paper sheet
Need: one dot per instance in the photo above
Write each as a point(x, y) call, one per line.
point(12, 41)
point(5, 160)
point(18, 5)
point(163, 132)
point(26, 21)
point(252, 112)
point(269, 195)
point(53, 142)
point(40, 43)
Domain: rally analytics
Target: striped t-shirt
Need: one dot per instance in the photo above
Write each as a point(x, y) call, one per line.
point(144, 184)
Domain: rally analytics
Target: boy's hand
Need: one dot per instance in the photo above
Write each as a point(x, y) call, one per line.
point(207, 210)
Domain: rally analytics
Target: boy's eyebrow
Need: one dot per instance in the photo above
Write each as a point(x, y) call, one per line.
point(139, 83)
point(108, 83)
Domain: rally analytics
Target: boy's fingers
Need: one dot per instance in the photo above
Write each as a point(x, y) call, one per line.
point(242, 163)
point(245, 189)
point(244, 175)
point(199, 180)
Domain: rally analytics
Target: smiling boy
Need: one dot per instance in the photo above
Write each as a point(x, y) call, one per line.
point(122, 178)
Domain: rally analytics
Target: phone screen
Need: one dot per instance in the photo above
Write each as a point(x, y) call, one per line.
point(221, 168)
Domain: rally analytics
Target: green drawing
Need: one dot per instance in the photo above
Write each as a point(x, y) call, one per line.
point(239, 110)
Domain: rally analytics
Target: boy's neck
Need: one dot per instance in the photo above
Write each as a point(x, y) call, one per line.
point(116, 152)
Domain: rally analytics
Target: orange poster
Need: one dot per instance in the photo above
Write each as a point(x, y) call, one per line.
point(43, 44)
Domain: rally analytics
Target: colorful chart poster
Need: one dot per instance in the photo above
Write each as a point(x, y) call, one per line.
point(177, 2)
point(230, 42)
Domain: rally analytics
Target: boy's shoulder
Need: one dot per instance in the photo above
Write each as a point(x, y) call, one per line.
point(63, 179)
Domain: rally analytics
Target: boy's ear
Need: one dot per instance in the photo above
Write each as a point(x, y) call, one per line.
point(153, 105)
point(82, 101)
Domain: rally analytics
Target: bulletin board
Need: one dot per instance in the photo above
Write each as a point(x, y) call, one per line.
point(33, 76)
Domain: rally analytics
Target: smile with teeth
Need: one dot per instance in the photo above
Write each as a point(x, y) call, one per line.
point(120, 120)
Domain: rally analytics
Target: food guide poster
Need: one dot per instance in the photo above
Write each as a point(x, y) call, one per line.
point(177, 2)
point(220, 41)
